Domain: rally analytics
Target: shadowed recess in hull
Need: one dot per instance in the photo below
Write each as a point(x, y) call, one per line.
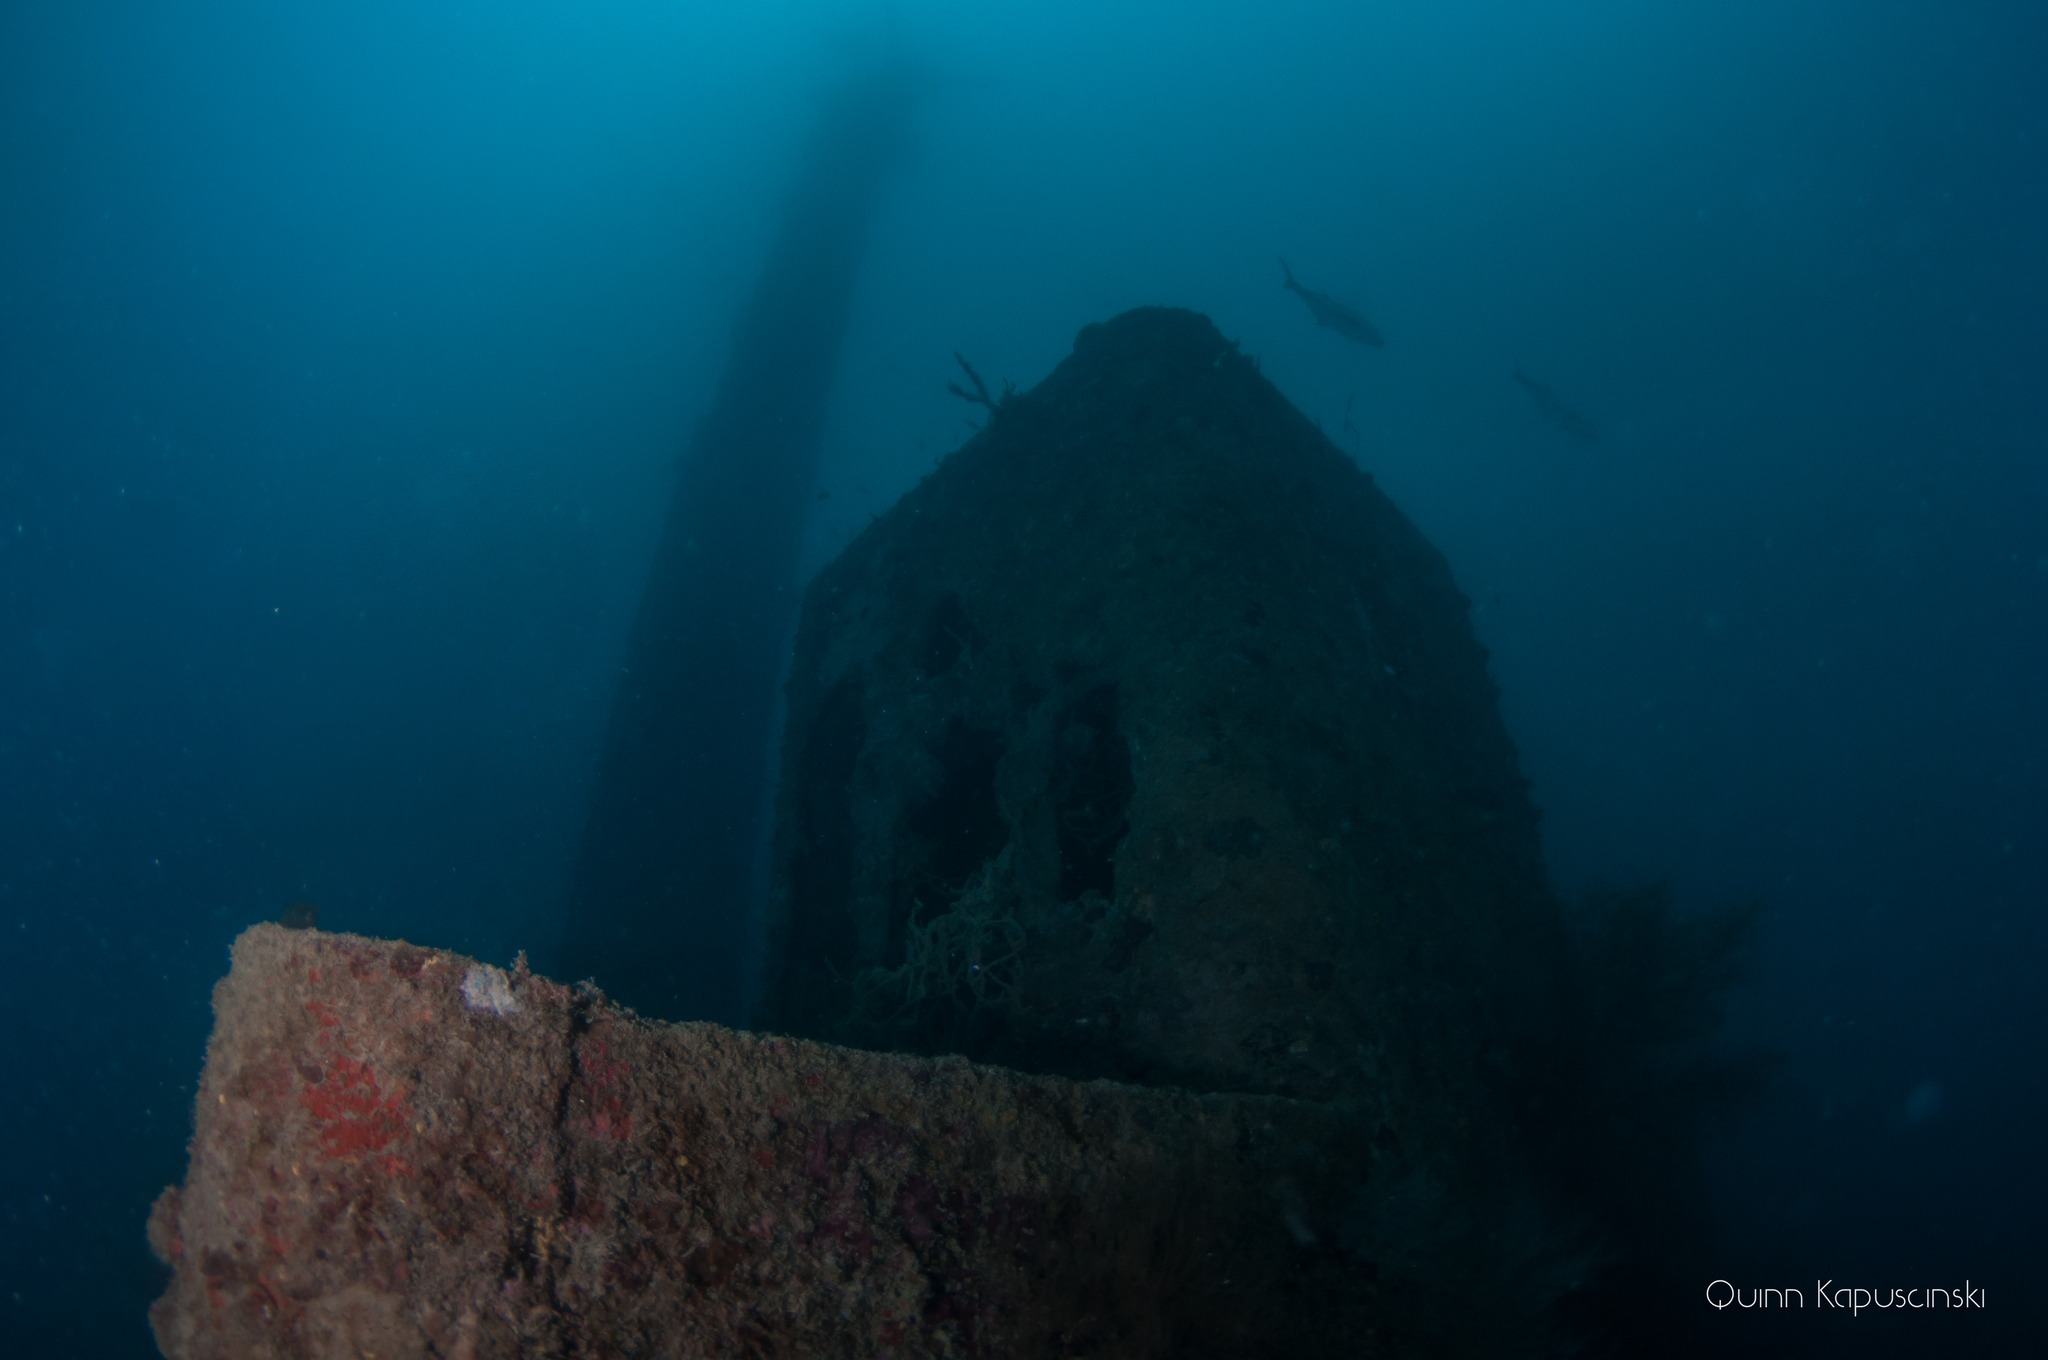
point(663, 902)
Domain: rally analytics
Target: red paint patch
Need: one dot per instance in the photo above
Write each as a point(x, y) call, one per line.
point(357, 1118)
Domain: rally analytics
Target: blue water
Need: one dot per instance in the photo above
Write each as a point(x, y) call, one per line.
point(346, 351)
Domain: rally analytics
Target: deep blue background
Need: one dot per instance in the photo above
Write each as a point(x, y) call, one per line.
point(345, 355)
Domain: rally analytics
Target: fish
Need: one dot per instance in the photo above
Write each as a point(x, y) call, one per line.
point(1347, 321)
point(1553, 409)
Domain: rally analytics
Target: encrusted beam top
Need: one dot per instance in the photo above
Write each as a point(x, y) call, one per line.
point(402, 1152)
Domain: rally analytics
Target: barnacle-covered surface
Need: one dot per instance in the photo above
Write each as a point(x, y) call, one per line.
point(381, 1166)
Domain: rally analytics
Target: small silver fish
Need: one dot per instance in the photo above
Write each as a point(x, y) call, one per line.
point(1556, 412)
point(1347, 321)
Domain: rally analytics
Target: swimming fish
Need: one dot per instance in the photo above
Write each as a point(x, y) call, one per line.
point(1347, 321)
point(1556, 412)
